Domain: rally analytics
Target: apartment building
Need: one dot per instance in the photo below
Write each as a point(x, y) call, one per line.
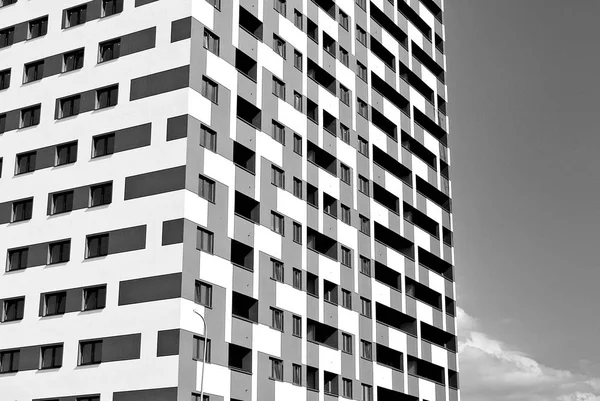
point(278, 169)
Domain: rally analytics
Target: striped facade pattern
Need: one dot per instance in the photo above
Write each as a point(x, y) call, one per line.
point(279, 167)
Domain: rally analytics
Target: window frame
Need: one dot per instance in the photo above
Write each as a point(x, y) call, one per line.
point(113, 46)
point(205, 297)
point(211, 42)
point(206, 188)
point(95, 353)
point(108, 147)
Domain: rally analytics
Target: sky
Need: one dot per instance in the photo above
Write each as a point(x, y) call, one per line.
point(523, 80)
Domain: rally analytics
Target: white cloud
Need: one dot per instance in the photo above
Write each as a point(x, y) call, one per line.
point(492, 371)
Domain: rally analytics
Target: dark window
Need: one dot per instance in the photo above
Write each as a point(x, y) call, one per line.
point(92, 398)
point(296, 374)
point(66, 154)
point(362, 108)
point(277, 177)
point(312, 284)
point(365, 225)
point(240, 358)
point(346, 343)
point(59, 252)
point(198, 350)
point(109, 50)
point(210, 90)
point(277, 274)
point(203, 294)
point(101, 194)
point(362, 4)
point(34, 71)
point(361, 71)
point(347, 388)
point(38, 27)
point(367, 392)
point(280, 6)
point(344, 59)
point(329, 205)
point(211, 42)
point(277, 223)
point(17, 259)
point(276, 319)
point(297, 279)
point(345, 174)
point(330, 383)
point(107, 97)
point(365, 307)
point(73, 60)
point(312, 111)
point(297, 232)
point(97, 245)
point(26, 163)
point(7, 37)
point(298, 60)
point(312, 378)
point(297, 326)
point(55, 303)
point(2, 123)
point(51, 357)
point(343, 19)
point(344, 96)
point(90, 352)
point(278, 132)
point(278, 88)
point(298, 101)
point(4, 79)
point(363, 146)
point(62, 202)
point(22, 210)
point(206, 189)
point(208, 138)
point(366, 350)
point(312, 30)
point(312, 195)
point(75, 16)
point(346, 299)
point(205, 240)
point(69, 106)
point(328, 44)
point(361, 35)
point(111, 7)
point(297, 187)
point(276, 369)
point(363, 185)
point(279, 46)
point(9, 361)
point(103, 145)
point(4, 3)
point(243, 157)
point(298, 19)
point(12, 309)
point(330, 292)
point(345, 214)
point(94, 298)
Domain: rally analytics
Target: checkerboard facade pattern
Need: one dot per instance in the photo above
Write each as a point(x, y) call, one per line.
point(276, 168)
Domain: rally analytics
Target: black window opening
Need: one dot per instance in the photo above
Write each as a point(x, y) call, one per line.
point(321, 76)
point(38, 27)
point(94, 298)
point(391, 165)
point(5, 79)
point(33, 71)
point(321, 158)
point(427, 370)
point(396, 319)
point(90, 352)
point(242, 255)
point(421, 220)
point(59, 252)
point(439, 337)
point(419, 150)
point(17, 259)
point(110, 50)
point(69, 106)
point(389, 357)
point(321, 333)
point(51, 357)
point(436, 264)
point(104, 145)
point(240, 358)
point(251, 24)
point(244, 157)
point(22, 210)
point(244, 307)
point(101, 194)
point(7, 37)
point(388, 276)
point(321, 243)
point(394, 240)
point(245, 64)
point(247, 207)
point(386, 198)
point(249, 113)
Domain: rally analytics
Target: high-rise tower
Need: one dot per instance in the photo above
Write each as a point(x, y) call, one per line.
point(278, 166)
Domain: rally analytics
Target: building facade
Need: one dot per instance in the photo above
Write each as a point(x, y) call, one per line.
point(275, 168)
